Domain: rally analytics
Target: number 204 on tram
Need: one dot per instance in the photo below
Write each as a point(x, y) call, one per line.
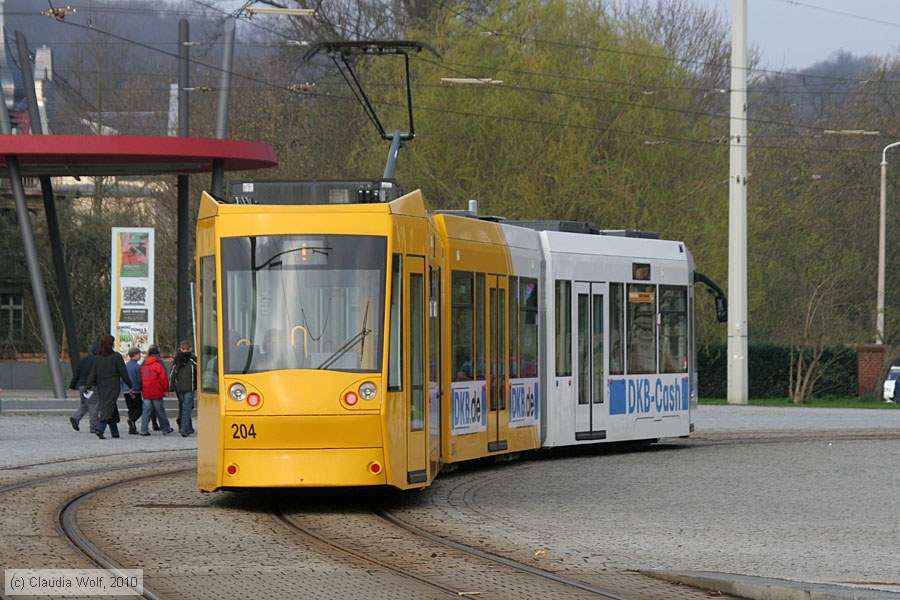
point(350, 338)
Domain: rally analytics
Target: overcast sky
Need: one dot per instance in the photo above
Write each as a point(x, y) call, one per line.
point(797, 33)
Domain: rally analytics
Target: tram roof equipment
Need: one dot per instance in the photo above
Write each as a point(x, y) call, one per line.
point(584, 228)
point(316, 191)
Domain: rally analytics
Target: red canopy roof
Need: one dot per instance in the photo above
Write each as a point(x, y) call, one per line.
point(77, 155)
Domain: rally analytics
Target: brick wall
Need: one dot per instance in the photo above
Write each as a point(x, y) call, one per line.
point(871, 362)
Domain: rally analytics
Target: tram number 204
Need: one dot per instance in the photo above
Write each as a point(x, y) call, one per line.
point(241, 431)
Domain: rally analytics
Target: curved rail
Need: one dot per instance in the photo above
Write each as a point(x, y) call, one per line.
point(470, 551)
point(68, 529)
point(288, 521)
point(473, 551)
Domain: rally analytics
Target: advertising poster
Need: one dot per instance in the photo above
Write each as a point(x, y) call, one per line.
point(131, 302)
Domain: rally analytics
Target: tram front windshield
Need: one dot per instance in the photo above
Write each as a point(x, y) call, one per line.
point(303, 302)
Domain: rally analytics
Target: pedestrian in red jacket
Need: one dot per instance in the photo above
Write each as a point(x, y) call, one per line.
point(154, 386)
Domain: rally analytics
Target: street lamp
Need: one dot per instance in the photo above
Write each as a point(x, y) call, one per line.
point(879, 319)
point(472, 80)
point(850, 132)
point(290, 12)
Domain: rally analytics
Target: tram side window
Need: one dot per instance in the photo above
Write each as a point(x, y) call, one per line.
point(395, 362)
point(563, 328)
point(584, 357)
point(209, 350)
point(528, 327)
point(616, 329)
point(434, 325)
point(462, 327)
point(480, 336)
point(641, 328)
point(416, 352)
point(673, 342)
point(513, 327)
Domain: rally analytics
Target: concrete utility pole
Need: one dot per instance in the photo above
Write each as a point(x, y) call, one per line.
point(738, 385)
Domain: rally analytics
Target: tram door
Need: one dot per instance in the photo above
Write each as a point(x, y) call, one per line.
point(497, 360)
point(590, 406)
point(417, 435)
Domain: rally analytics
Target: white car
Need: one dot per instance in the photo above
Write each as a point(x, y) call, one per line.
point(891, 383)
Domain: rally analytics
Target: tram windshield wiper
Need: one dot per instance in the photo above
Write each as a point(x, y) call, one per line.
point(349, 344)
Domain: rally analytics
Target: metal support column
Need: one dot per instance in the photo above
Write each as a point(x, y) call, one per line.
point(56, 249)
point(218, 173)
point(31, 259)
point(184, 322)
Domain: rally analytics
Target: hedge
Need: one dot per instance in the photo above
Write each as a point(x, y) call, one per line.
point(769, 371)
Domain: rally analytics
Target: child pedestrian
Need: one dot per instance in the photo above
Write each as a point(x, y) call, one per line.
point(133, 400)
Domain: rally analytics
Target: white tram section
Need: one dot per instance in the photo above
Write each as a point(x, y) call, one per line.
point(524, 371)
point(618, 360)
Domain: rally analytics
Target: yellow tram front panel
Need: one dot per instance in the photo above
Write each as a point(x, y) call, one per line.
point(310, 450)
point(301, 468)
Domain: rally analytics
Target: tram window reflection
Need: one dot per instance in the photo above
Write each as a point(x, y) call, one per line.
point(673, 343)
point(616, 329)
point(462, 326)
point(323, 295)
point(641, 328)
point(528, 332)
point(563, 328)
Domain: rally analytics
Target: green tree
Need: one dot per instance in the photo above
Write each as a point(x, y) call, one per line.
point(589, 124)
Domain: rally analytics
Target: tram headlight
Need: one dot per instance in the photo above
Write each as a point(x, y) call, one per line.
point(367, 391)
point(237, 392)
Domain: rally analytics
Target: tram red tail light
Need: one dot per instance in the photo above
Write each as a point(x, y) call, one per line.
point(231, 469)
point(350, 398)
point(374, 468)
point(253, 400)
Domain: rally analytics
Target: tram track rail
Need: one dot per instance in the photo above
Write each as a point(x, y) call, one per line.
point(68, 528)
point(550, 582)
point(489, 556)
point(79, 473)
point(291, 523)
point(64, 522)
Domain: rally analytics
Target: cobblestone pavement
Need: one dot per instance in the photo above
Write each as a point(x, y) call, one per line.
point(819, 510)
point(824, 510)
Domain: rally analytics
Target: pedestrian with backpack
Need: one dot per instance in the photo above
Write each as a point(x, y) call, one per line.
point(183, 380)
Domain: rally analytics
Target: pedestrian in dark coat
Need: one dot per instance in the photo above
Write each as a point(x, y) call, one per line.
point(89, 403)
point(109, 369)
